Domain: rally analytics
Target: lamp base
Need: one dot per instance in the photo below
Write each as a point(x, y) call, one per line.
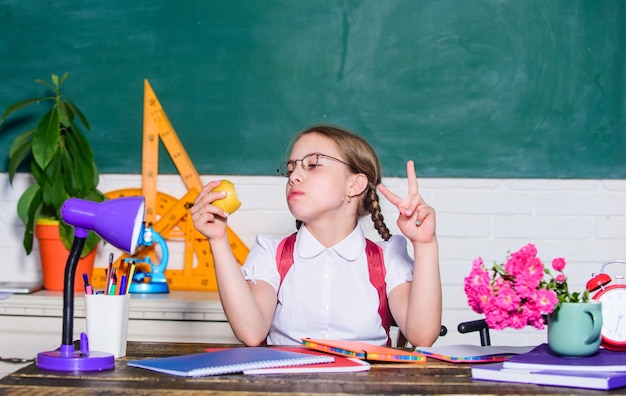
point(68, 359)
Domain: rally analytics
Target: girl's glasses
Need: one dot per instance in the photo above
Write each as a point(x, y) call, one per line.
point(308, 162)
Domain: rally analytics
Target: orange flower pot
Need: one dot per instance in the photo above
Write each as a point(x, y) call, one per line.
point(54, 257)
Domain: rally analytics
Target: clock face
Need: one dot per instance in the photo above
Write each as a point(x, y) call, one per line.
point(614, 313)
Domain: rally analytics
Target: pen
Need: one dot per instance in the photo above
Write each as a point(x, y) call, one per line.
point(122, 289)
point(113, 286)
point(109, 272)
point(88, 288)
point(111, 290)
point(111, 283)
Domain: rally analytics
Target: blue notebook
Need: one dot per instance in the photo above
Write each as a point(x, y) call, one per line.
point(227, 361)
point(572, 379)
point(541, 358)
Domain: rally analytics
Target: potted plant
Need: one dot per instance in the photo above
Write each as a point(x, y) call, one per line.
point(62, 165)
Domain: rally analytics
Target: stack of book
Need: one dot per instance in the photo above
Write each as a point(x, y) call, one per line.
point(604, 370)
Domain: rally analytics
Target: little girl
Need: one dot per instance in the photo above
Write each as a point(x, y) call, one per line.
point(332, 181)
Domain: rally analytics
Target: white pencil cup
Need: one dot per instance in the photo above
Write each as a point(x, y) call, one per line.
point(107, 322)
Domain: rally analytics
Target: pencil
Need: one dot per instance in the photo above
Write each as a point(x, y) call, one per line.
point(131, 273)
point(108, 274)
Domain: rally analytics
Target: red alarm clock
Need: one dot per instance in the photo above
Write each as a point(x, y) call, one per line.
point(613, 299)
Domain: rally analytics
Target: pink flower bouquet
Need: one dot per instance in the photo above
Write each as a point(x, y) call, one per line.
point(517, 293)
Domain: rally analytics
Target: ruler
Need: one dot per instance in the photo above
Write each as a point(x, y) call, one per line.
point(170, 216)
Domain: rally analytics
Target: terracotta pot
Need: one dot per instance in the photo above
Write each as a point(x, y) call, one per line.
point(54, 257)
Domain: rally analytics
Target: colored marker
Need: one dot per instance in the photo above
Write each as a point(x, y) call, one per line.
point(131, 273)
point(122, 289)
point(111, 290)
point(109, 272)
point(88, 288)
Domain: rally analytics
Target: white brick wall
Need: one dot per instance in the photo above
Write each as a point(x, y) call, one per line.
point(583, 221)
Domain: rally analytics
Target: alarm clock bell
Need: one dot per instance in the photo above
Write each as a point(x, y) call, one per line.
point(613, 298)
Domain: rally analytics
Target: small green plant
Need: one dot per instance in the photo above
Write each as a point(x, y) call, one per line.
point(61, 162)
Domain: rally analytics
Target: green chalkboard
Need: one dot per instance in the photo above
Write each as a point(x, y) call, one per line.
point(466, 88)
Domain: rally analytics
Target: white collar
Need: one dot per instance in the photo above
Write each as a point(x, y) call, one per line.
point(350, 248)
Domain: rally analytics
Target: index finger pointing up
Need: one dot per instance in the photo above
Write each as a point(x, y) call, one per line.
point(410, 175)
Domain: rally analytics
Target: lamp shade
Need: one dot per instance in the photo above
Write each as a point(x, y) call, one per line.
point(118, 221)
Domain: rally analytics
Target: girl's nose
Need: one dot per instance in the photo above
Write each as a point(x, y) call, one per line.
point(296, 175)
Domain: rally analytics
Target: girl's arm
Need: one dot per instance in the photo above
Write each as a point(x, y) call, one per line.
point(416, 306)
point(249, 307)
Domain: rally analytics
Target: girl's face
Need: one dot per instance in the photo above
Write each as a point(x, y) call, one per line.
point(319, 191)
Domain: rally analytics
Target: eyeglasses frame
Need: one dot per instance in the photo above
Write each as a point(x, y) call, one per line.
point(301, 160)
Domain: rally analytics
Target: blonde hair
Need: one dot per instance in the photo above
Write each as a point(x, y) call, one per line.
point(361, 158)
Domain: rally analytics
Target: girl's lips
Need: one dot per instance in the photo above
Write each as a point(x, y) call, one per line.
point(294, 194)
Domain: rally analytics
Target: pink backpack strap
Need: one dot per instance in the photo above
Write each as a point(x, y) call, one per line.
point(284, 256)
point(375, 266)
point(377, 272)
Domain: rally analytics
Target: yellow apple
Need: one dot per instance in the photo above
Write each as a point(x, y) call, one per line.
point(230, 202)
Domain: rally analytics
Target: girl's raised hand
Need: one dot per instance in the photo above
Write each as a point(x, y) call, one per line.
point(416, 219)
point(208, 218)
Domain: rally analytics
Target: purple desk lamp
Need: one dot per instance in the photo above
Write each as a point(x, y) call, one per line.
point(119, 222)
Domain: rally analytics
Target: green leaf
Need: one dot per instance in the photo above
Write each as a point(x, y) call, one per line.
point(85, 169)
point(75, 171)
point(65, 114)
point(19, 151)
point(46, 140)
point(63, 78)
point(54, 193)
point(96, 174)
point(66, 232)
point(95, 195)
point(81, 143)
point(78, 113)
point(70, 177)
point(21, 104)
point(46, 83)
point(53, 171)
point(90, 243)
point(28, 206)
point(31, 196)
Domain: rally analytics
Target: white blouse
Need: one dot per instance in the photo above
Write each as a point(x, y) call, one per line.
point(327, 292)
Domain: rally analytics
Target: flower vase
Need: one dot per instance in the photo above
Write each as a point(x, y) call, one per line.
point(574, 329)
